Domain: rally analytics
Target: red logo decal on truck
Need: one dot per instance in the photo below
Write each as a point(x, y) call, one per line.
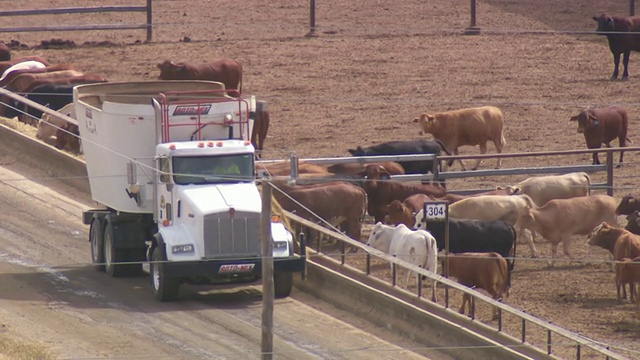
point(192, 110)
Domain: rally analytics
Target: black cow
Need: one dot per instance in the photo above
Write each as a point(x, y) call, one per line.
point(614, 28)
point(475, 236)
point(410, 147)
point(52, 96)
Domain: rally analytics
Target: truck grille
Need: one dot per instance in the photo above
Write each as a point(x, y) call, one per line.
point(232, 237)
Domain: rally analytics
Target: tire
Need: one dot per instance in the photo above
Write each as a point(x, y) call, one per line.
point(282, 284)
point(164, 287)
point(113, 256)
point(97, 245)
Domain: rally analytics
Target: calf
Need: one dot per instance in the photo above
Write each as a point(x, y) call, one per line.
point(622, 34)
point(628, 272)
point(488, 271)
point(473, 126)
point(601, 126)
point(382, 191)
point(541, 189)
point(226, 71)
point(414, 246)
point(558, 219)
point(325, 202)
point(628, 205)
point(620, 243)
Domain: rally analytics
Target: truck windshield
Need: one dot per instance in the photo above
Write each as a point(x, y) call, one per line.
point(213, 169)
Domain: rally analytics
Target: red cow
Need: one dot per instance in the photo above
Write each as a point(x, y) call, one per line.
point(615, 27)
point(4, 65)
point(382, 191)
point(226, 71)
point(68, 138)
point(601, 126)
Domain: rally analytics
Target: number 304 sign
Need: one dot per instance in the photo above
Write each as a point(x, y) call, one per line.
point(436, 210)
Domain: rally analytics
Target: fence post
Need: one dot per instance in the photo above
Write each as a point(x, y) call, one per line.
point(632, 7)
point(610, 173)
point(312, 19)
point(149, 21)
point(473, 29)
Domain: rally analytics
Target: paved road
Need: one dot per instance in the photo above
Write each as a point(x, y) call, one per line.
point(50, 294)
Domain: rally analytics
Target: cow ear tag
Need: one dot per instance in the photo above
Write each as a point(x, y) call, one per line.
point(596, 122)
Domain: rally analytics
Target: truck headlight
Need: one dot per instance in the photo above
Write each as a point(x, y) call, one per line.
point(181, 249)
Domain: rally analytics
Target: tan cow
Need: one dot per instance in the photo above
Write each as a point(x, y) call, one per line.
point(628, 272)
point(488, 271)
point(541, 189)
point(620, 243)
point(558, 219)
point(473, 126)
point(49, 124)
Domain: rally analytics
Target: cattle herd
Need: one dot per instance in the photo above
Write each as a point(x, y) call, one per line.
point(484, 228)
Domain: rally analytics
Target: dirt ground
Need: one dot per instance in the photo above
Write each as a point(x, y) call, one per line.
point(374, 66)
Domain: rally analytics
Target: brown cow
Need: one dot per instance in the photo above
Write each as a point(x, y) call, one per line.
point(325, 202)
point(633, 222)
point(382, 191)
point(226, 71)
point(283, 168)
point(404, 212)
point(601, 126)
point(620, 243)
point(68, 138)
point(359, 169)
point(628, 272)
point(21, 82)
point(13, 74)
point(4, 65)
point(89, 78)
point(615, 27)
point(628, 205)
point(558, 219)
point(488, 271)
point(5, 52)
point(473, 126)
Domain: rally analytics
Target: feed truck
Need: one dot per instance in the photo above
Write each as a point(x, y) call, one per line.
point(172, 164)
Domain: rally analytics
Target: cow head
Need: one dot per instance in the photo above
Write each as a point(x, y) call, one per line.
point(586, 119)
point(359, 151)
point(605, 22)
point(627, 204)
point(167, 70)
point(376, 238)
point(511, 190)
point(373, 173)
point(602, 236)
point(426, 122)
point(633, 222)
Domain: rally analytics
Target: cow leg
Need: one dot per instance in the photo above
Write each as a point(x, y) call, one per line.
point(466, 299)
point(483, 150)
point(565, 247)
point(455, 152)
point(596, 161)
point(528, 238)
point(625, 63)
point(616, 64)
point(554, 252)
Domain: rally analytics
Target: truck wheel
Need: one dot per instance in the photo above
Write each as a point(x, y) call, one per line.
point(113, 256)
point(282, 284)
point(97, 245)
point(164, 288)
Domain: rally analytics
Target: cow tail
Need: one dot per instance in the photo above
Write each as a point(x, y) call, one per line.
point(512, 263)
point(444, 148)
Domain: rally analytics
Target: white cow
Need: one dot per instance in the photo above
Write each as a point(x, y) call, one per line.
point(489, 208)
point(541, 189)
point(30, 64)
point(49, 124)
point(414, 246)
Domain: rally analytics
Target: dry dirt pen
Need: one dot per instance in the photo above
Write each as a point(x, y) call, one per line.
point(374, 67)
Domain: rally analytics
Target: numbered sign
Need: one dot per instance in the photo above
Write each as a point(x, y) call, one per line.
point(435, 211)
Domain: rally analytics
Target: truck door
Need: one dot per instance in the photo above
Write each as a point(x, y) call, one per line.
point(163, 200)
